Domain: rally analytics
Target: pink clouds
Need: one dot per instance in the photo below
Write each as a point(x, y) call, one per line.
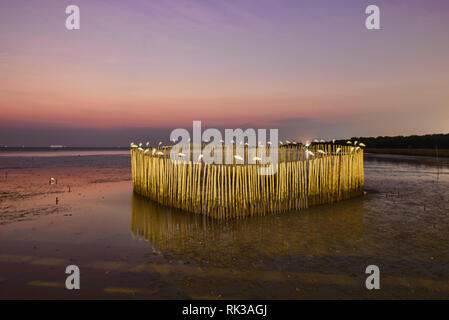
point(163, 64)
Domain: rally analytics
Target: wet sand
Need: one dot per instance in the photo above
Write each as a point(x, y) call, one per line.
point(127, 247)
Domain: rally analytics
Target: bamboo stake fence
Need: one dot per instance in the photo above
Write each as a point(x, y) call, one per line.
point(328, 174)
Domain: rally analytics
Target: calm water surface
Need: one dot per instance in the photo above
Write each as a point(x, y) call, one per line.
point(128, 247)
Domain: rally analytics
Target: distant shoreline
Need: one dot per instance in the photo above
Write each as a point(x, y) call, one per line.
point(395, 151)
point(410, 152)
point(61, 149)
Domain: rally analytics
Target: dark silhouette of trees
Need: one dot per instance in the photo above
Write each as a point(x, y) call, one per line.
point(428, 141)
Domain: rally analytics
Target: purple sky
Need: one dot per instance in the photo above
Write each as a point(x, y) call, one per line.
point(138, 69)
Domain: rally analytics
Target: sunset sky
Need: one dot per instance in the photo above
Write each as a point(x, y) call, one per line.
point(140, 68)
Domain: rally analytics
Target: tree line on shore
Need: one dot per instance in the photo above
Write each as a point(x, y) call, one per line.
point(428, 141)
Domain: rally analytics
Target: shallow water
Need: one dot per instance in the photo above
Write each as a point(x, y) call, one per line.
point(128, 247)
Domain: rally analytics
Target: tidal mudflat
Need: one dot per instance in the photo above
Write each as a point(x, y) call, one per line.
point(128, 247)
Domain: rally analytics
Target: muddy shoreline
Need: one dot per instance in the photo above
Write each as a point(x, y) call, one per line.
point(128, 247)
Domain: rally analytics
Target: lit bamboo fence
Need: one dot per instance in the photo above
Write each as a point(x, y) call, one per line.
point(328, 174)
